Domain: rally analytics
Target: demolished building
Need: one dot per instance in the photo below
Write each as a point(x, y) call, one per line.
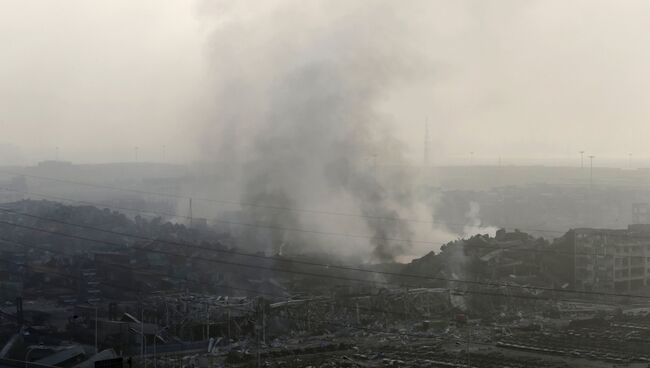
point(611, 260)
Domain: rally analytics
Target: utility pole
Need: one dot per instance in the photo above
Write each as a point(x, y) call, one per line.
point(190, 212)
point(591, 171)
point(96, 346)
point(582, 159)
point(595, 280)
point(207, 315)
point(143, 336)
point(257, 332)
point(469, 334)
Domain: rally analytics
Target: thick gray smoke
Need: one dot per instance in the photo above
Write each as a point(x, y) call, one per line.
point(297, 88)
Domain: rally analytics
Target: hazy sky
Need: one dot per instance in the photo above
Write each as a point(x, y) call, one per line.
point(536, 79)
point(97, 78)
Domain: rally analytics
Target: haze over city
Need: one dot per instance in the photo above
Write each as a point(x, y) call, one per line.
point(324, 183)
point(528, 81)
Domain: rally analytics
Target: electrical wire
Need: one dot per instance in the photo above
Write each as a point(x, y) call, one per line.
point(337, 277)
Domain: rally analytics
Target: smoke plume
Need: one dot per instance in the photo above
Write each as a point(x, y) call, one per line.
point(296, 89)
point(474, 225)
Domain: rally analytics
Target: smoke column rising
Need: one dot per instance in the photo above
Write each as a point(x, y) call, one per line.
point(296, 91)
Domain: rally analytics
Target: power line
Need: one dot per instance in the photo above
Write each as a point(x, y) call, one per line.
point(308, 231)
point(250, 291)
point(28, 364)
point(234, 223)
point(239, 309)
point(458, 280)
point(484, 246)
point(334, 277)
point(246, 204)
point(158, 213)
point(128, 268)
point(414, 287)
point(451, 291)
point(214, 200)
point(455, 292)
point(173, 215)
point(327, 266)
point(232, 252)
point(304, 320)
point(249, 204)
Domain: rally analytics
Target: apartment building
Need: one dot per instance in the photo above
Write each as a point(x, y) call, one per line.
point(615, 260)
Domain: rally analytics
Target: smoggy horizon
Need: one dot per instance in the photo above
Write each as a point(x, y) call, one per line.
point(516, 80)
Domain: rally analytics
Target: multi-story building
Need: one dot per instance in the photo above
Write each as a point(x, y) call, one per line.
point(612, 259)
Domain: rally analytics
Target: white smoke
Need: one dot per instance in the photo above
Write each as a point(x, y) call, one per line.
point(474, 224)
point(296, 91)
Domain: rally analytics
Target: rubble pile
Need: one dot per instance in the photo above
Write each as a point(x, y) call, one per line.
point(614, 341)
point(480, 302)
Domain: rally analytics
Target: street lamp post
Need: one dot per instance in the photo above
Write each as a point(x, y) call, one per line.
point(591, 171)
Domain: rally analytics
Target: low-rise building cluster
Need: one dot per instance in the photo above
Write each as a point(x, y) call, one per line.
point(154, 293)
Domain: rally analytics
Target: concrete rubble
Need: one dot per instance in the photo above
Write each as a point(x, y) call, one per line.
point(152, 303)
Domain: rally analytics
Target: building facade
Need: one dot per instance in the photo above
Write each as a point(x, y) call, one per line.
point(612, 260)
